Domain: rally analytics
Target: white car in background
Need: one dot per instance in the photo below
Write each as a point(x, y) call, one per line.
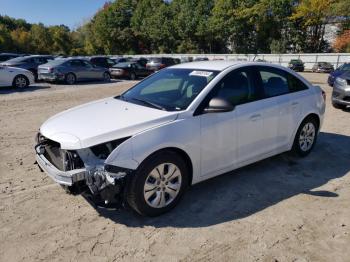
point(180, 126)
point(16, 77)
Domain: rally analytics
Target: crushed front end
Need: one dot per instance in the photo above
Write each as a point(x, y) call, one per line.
point(84, 170)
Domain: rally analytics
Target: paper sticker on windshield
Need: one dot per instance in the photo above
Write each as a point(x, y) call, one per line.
point(201, 73)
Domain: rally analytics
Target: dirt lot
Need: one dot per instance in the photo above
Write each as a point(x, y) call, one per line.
point(280, 209)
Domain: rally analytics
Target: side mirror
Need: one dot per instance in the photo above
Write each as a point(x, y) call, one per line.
point(218, 105)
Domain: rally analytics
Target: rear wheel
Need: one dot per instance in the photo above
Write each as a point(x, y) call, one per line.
point(20, 81)
point(71, 79)
point(106, 76)
point(305, 137)
point(158, 184)
point(132, 76)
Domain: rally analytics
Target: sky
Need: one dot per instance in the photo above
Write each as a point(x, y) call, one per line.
point(51, 12)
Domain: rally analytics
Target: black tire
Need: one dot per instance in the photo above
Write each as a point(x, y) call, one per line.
point(70, 79)
point(107, 77)
point(135, 192)
point(20, 81)
point(133, 76)
point(339, 106)
point(297, 148)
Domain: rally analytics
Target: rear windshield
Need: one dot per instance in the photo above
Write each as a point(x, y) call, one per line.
point(156, 60)
point(123, 65)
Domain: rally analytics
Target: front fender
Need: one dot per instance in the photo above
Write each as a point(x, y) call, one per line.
point(181, 134)
point(122, 156)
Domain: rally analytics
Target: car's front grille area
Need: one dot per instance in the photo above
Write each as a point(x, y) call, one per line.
point(64, 160)
point(348, 81)
point(347, 98)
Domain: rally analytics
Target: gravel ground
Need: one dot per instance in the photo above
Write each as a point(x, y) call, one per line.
point(280, 209)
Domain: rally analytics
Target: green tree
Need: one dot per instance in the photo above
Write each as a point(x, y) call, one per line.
point(41, 39)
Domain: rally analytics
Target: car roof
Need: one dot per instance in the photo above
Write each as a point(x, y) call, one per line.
point(218, 65)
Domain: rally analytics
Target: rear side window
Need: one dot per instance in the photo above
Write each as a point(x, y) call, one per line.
point(274, 82)
point(75, 63)
point(295, 84)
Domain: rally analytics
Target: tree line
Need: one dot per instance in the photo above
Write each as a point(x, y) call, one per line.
point(189, 26)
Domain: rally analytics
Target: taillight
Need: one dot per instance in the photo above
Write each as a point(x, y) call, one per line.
point(162, 66)
point(324, 95)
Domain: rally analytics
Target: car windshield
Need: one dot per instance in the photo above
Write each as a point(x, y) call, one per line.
point(169, 89)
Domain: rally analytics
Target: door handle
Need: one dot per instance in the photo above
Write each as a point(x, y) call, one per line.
point(255, 117)
point(295, 104)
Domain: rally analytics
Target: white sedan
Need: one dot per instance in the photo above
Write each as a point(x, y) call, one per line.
point(16, 77)
point(178, 127)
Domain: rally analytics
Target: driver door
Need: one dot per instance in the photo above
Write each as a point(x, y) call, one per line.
point(220, 131)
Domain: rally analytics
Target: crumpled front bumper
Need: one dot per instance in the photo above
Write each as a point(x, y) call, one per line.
point(67, 178)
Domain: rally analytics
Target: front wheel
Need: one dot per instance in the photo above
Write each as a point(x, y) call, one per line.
point(305, 137)
point(158, 184)
point(20, 81)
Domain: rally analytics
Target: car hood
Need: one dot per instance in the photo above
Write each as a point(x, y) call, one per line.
point(102, 121)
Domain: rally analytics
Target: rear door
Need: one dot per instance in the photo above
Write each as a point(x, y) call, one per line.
point(278, 120)
point(76, 67)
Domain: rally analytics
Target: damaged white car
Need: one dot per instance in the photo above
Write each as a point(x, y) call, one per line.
point(180, 126)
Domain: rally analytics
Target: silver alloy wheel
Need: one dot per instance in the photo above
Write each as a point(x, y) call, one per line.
point(106, 77)
point(162, 185)
point(20, 82)
point(307, 136)
point(70, 79)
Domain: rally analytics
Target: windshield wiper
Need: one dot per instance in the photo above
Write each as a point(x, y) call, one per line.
point(149, 103)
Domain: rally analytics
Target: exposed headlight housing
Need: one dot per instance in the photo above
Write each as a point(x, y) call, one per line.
point(102, 151)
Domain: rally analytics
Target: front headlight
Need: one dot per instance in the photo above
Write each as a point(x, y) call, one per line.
point(340, 81)
point(102, 151)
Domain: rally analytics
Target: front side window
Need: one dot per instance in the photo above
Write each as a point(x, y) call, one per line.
point(170, 89)
point(274, 82)
point(236, 87)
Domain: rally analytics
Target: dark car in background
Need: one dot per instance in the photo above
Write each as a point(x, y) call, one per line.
point(130, 70)
point(157, 63)
point(197, 59)
point(101, 61)
point(30, 63)
point(140, 60)
point(296, 65)
point(71, 70)
point(322, 67)
point(7, 56)
point(338, 72)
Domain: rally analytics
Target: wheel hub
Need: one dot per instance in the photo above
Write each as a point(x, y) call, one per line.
point(162, 185)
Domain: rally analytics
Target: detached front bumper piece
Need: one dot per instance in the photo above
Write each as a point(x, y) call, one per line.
point(67, 178)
